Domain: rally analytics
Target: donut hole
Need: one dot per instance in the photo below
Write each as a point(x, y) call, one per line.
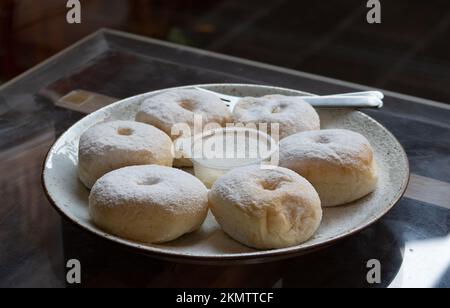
point(322, 140)
point(277, 109)
point(149, 182)
point(187, 104)
point(123, 131)
point(270, 185)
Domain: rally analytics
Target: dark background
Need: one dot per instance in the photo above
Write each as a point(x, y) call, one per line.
point(409, 52)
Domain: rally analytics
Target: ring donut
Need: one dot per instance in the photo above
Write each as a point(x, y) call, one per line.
point(170, 108)
point(113, 145)
point(148, 204)
point(293, 114)
point(266, 209)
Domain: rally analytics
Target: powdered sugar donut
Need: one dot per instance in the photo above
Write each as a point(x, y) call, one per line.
point(173, 107)
point(113, 145)
point(148, 204)
point(339, 163)
point(293, 114)
point(266, 209)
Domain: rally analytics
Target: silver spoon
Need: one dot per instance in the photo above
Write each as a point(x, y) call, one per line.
point(367, 99)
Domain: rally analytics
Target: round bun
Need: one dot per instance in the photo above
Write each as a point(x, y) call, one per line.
point(266, 208)
point(339, 163)
point(148, 204)
point(293, 114)
point(113, 145)
point(170, 108)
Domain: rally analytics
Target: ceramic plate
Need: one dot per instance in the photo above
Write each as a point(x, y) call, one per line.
point(210, 244)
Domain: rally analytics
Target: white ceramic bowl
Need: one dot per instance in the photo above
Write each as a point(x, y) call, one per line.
point(210, 164)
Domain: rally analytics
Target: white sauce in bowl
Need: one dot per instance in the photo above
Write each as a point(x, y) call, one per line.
point(216, 152)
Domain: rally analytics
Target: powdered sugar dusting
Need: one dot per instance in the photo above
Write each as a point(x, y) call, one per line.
point(148, 186)
point(337, 146)
point(106, 136)
point(116, 144)
point(179, 106)
point(293, 114)
point(253, 187)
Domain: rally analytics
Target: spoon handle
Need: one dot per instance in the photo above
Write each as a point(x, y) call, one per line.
point(344, 101)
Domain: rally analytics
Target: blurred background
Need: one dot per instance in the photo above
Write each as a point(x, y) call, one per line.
point(409, 52)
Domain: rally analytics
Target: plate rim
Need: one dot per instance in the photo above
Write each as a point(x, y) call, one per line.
point(218, 259)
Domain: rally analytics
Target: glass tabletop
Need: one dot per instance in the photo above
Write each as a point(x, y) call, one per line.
point(412, 242)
